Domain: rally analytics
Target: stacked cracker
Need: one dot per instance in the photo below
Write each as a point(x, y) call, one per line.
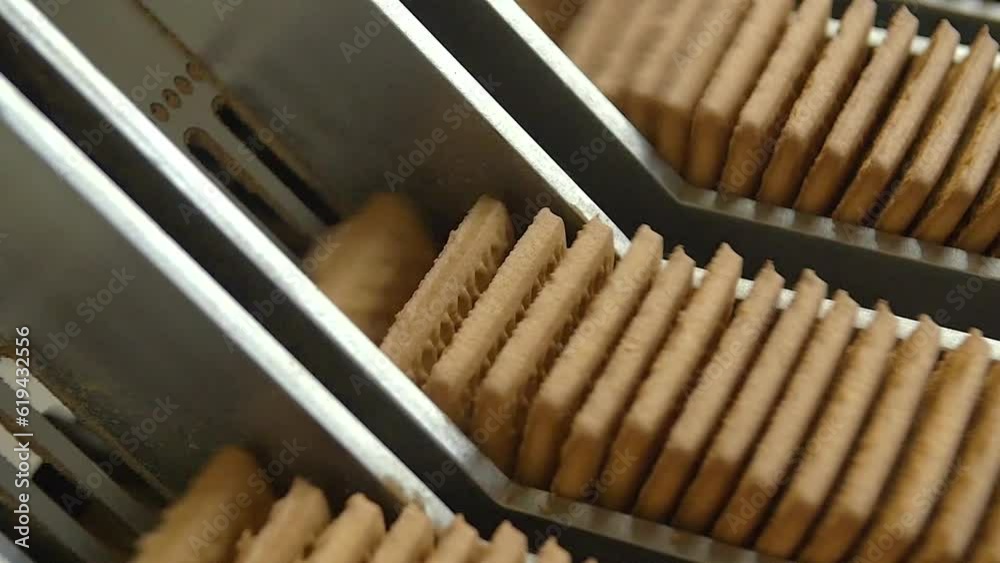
point(751, 97)
point(300, 527)
point(791, 431)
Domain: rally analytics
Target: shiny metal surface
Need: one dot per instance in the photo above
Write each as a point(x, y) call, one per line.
point(570, 118)
point(151, 169)
point(370, 88)
point(9, 553)
point(148, 351)
point(195, 213)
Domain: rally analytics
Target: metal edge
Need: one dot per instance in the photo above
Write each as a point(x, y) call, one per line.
point(232, 320)
point(335, 335)
point(564, 111)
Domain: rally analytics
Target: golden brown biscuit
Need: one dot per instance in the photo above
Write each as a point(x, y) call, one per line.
point(705, 404)
point(857, 122)
point(861, 203)
point(447, 293)
point(776, 450)
point(410, 539)
point(648, 419)
point(983, 226)
point(695, 62)
point(511, 382)
point(924, 470)
point(878, 448)
point(986, 548)
point(645, 24)
point(732, 445)
point(957, 517)
point(969, 171)
point(457, 374)
point(573, 373)
point(291, 528)
point(370, 264)
point(762, 117)
point(459, 544)
point(552, 553)
point(640, 102)
point(829, 448)
point(228, 480)
point(716, 113)
point(597, 422)
point(936, 147)
point(353, 536)
point(507, 545)
point(817, 107)
point(594, 31)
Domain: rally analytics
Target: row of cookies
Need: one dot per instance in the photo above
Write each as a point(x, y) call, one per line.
point(227, 516)
point(755, 98)
point(651, 389)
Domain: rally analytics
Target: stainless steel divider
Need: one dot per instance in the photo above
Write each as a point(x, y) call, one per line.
point(159, 177)
point(612, 162)
point(270, 285)
point(150, 353)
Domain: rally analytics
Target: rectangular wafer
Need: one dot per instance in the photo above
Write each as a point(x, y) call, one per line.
point(370, 264)
point(900, 129)
point(460, 543)
point(645, 24)
point(774, 457)
point(858, 121)
point(597, 422)
point(704, 408)
point(731, 447)
point(930, 456)
point(716, 112)
point(983, 226)
point(829, 447)
point(640, 100)
point(966, 501)
point(694, 66)
point(457, 374)
point(987, 545)
point(447, 293)
point(552, 553)
point(969, 171)
point(595, 29)
point(291, 527)
point(936, 147)
point(878, 448)
point(409, 540)
point(507, 545)
point(353, 536)
point(573, 373)
point(648, 419)
point(224, 481)
point(761, 118)
point(816, 108)
point(511, 382)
